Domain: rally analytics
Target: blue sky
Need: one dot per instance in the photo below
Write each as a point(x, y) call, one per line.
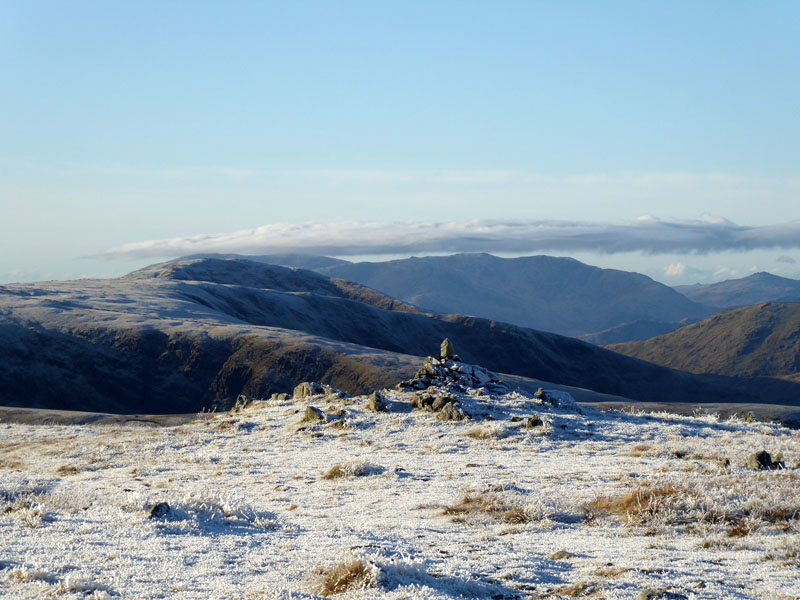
point(134, 123)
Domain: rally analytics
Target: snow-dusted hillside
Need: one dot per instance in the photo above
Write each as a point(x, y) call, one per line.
point(478, 492)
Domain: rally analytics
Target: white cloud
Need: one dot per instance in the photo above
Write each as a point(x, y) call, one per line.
point(675, 270)
point(649, 235)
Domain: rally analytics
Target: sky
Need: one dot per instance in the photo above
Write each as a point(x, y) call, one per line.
point(659, 137)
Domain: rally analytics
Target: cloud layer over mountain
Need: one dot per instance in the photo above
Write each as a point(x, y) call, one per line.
point(649, 235)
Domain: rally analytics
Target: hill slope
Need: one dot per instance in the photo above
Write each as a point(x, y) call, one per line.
point(561, 295)
point(761, 340)
point(733, 293)
point(148, 343)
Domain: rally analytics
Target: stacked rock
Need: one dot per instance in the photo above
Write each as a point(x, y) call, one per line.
point(442, 378)
point(446, 370)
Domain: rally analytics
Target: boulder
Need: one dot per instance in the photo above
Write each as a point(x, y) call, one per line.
point(313, 415)
point(307, 389)
point(451, 412)
point(759, 461)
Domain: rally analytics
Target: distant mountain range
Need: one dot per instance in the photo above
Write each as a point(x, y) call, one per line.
point(754, 341)
point(561, 295)
point(184, 335)
point(754, 289)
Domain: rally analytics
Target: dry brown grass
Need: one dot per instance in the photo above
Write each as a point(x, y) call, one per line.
point(487, 504)
point(67, 470)
point(642, 450)
point(353, 575)
point(483, 433)
point(788, 551)
point(739, 530)
point(11, 463)
point(740, 503)
point(638, 504)
point(610, 572)
point(574, 590)
point(347, 470)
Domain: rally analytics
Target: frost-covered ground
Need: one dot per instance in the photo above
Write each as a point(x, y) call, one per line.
point(401, 504)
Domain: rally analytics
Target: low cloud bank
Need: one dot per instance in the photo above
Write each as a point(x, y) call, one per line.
point(649, 235)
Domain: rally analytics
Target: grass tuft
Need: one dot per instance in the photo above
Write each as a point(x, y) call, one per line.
point(353, 575)
point(347, 470)
point(490, 505)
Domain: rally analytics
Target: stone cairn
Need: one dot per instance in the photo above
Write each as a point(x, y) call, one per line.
point(442, 378)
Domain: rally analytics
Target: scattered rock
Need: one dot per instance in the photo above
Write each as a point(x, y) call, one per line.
point(562, 555)
point(282, 397)
point(313, 415)
point(242, 402)
point(375, 402)
point(750, 417)
point(451, 412)
point(307, 389)
point(533, 421)
point(557, 398)
point(159, 511)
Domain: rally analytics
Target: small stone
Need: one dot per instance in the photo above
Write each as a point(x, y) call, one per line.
point(447, 350)
point(242, 402)
point(159, 511)
point(313, 415)
point(562, 555)
point(750, 417)
point(533, 422)
point(375, 403)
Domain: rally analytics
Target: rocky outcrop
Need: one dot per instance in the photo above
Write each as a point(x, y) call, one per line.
point(309, 389)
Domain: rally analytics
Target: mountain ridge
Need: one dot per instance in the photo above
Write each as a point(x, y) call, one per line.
point(149, 344)
point(733, 293)
point(561, 295)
